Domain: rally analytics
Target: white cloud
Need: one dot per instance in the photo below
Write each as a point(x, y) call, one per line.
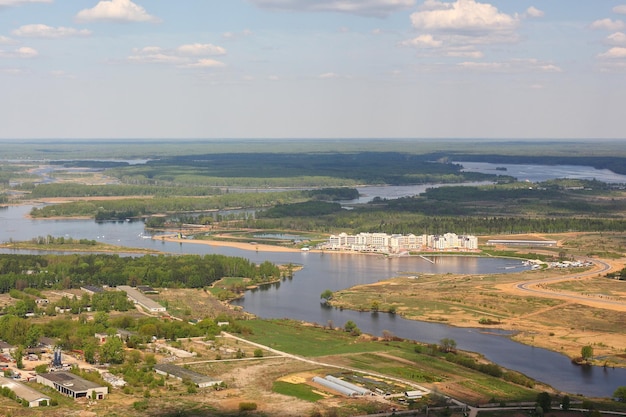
point(613, 66)
point(422, 41)
point(13, 71)
point(463, 16)
point(361, 7)
point(5, 40)
point(511, 66)
point(183, 55)
point(62, 74)
point(328, 75)
point(116, 10)
point(8, 3)
point(23, 52)
point(237, 35)
point(44, 31)
point(206, 63)
point(155, 58)
point(201, 49)
point(616, 52)
point(607, 24)
point(463, 52)
point(455, 29)
point(534, 12)
point(617, 38)
point(620, 9)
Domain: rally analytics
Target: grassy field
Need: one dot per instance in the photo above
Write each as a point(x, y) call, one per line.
point(301, 391)
point(395, 358)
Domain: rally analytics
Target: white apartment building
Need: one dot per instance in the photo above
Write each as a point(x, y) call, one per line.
point(384, 243)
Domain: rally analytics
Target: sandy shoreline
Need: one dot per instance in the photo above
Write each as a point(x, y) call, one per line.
point(256, 247)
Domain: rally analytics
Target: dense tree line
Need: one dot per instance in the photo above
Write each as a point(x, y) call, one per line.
point(129, 208)
point(514, 208)
point(304, 209)
point(132, 208)
point(113, 190)
point(72, 271)
point(295, 169)
point(380, 220)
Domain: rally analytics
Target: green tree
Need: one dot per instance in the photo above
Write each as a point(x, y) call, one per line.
point(544, 401)
point(18, 354)
point(351, 328)
point(89, 349)
point(32, 336)
point(586, 352)
point(112, 351)
point(565, 404)
point(326, 295)
point(620, 393)
point(447, 345)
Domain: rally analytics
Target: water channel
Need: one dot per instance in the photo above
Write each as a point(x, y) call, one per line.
point(298, 298)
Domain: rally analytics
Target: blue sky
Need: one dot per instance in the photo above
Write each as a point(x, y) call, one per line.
point(309, 69)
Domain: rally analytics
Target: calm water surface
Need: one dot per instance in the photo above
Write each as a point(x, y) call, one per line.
point(539, 173)
point(298, 298)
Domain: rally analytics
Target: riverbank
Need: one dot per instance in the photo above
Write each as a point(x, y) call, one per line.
point(489, 302)
point(253, 246)
point(74, 248)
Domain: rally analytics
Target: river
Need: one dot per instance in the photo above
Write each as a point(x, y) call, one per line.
point(299, 298)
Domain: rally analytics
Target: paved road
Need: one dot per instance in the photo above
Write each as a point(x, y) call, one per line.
point(531, 286)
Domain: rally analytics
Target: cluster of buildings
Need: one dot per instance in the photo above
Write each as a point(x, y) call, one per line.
point(385, 243)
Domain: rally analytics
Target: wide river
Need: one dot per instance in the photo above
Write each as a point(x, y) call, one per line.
point(299, 298)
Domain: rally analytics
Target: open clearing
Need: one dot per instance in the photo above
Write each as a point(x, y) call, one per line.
point(576, 307)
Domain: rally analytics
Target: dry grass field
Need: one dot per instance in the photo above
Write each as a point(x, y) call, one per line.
point(569, 313)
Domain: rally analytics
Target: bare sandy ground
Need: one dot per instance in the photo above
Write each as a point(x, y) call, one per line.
point(257, 247)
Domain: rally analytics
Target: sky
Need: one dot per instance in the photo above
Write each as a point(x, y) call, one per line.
point(312, 69)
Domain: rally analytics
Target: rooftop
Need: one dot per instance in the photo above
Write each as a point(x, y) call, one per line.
point(140, 298)
point(70, 381)
point(184, 373)
point(92, 288)
point(22, 391)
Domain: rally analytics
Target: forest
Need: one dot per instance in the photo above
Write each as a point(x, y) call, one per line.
point(74, 271)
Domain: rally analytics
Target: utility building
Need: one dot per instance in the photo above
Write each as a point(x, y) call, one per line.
point(72, 385)
point(24, 392)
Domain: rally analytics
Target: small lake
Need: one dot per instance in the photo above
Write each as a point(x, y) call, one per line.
point(539, 173)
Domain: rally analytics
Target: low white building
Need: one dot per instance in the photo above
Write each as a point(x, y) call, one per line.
point(24, 392)
point(138, 298)
point(72, 385)
point(180, 373)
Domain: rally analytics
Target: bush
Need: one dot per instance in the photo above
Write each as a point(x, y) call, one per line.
point(245, 406)
point(140, 405)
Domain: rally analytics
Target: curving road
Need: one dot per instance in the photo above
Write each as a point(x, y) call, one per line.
point(531, 286)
